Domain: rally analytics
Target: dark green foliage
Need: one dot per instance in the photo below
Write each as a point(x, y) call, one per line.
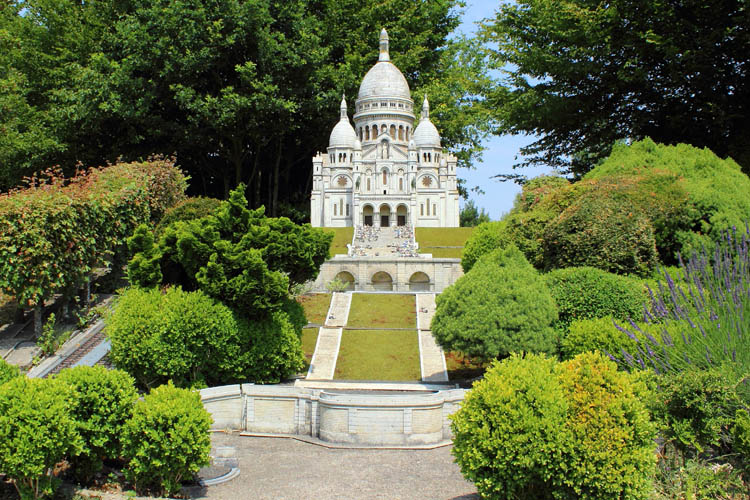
point(8, 371)
point(741, 437)
point(534, 428)
point(471, 216)
point(597, 334)
point(166, 441)
point(144, 269)
point(697, 410)
point(501, 306)
point(186, 210)
point(581, 75)
point(192, 339)
point(241, 257)
point(487, 237)
point(37, 430)
point(601, 231)
point(587, 292)
point(103, 402)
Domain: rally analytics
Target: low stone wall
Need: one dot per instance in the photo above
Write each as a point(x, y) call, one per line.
point(442, 272)
point(413, 418)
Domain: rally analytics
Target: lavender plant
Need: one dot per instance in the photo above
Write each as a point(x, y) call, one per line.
point(698, 315)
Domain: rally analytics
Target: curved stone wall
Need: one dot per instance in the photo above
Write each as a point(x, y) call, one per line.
point(365, 418)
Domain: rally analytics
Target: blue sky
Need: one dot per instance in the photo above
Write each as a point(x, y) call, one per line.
point(501, 151)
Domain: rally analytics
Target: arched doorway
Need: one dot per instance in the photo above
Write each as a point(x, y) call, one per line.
point(346, 277)
point(382, 281)
point(401, 215)
point(385, 215)
point(367, 215)
point(419, 282)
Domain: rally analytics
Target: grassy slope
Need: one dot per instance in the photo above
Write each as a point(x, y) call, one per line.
point(434, 239)
point(315, 306)
point(382, 311)
point(341, 237)
point(309, 339)
point(378, 355)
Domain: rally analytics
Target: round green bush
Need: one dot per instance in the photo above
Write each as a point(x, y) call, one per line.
point(611, 451)
point(587, 292)
point(166, 441)
point(509, 434)
point(597, 334)
point(186, 210)
point(192, 339)
point(8, 371)
point(37, 430)
point(535, 428)
point(601, 230)
point(501, 306)
point(103, 402)
point(487, 237)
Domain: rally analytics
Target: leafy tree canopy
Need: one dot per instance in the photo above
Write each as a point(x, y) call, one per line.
point(471, 216)
point(583, 74)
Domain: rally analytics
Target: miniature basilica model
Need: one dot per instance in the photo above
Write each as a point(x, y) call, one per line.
point(383, 171)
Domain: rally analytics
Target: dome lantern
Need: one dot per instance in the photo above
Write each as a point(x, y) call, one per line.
point(384, 55)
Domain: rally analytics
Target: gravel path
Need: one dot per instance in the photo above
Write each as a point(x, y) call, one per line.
point(286, 469)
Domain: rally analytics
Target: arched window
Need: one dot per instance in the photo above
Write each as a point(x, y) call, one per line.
point(407, 133)
point(374, 132)
point(385, 177)
point(383, 129)
point(401, 184)
point(428, 207)
point(361, 137)
point(393, 131)
point(334, 209)
point(367, 133)
point(368, 183)
point(401, 133)
point(341, 206)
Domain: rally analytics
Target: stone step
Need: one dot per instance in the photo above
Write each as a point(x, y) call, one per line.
point(431, 356)
point(338, 311)
point(323, 363)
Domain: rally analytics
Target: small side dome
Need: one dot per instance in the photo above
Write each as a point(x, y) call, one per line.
point(343, 134)
point(426, 134)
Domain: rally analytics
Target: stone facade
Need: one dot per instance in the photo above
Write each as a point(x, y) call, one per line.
point(384, 171)
point(416, 418)
point(406, 274)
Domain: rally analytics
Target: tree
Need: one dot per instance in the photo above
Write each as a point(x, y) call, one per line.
point(470, 216)
point(583, 75)
point(501, 306)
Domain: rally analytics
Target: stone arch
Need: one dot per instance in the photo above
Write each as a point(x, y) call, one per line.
point(382, 281)
point(393, 131)
point(400, 132)
point(347, 278)
point(402, 215)
point(385, 215)
point(419, 282)
point(368, 215)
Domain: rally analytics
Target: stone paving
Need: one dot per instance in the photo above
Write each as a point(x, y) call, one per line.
point(323, 363)
point(286, 469)
point(431, 356)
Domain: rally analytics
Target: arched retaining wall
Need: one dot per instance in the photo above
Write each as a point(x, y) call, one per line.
point(412, 418)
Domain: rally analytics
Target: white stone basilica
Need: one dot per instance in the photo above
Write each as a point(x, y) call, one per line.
point(383, 171)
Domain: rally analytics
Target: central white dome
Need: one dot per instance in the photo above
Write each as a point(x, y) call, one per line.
point(384, 80)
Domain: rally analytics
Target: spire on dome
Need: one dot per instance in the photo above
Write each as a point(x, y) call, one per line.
point(425, 109)
point(384, 55)
point(343, 108)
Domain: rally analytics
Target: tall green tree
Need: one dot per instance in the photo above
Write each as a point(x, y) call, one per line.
point(583, 74)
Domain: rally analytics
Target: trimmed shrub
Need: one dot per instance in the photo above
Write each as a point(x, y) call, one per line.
point(510, 433)
point(534, 428)
point(588, 335)
point(192, 339)
point(186, 210)
point(587, 292)
point(37, 431)
point(103, 402)
point(501, 306)
point(611, 452)
point(166, 441)
point(606, 232)
point(8, 371)
point(144, 269)
point(696, 411)
point(487, 237)
point(741, 437)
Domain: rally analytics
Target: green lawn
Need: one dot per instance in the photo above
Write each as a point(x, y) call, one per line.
point(442, 241)
point(385, 310)
point(378, 355)
point(342, 236)
point(309, 339)
point(315, 306)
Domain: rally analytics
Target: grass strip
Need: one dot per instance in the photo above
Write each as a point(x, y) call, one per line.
point(342, 236)
point(378, 355)
point(387, 310)
point(315, 306)
point(309, 339)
